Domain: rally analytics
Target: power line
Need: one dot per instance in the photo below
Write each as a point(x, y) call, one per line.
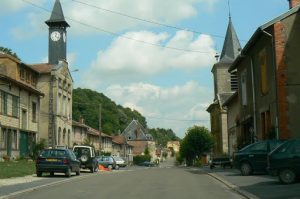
point(173, 119)
point(119, 35)
point(144, 20)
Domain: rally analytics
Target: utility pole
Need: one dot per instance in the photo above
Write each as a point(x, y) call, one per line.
point(100, 129)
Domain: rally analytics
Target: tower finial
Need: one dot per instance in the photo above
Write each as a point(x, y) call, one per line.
point(229, 11)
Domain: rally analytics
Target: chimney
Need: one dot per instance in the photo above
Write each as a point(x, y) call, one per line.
point(294, 3)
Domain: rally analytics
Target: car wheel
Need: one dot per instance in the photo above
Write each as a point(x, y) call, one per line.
point(92, 169)
point(52, 173)
point(246, 169)
point(78, 172)
point(68, 173)
point(117, 167)
point(96, 168)
point(287, 176)
point(39, 174)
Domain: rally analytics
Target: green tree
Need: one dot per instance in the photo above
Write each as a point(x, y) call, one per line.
point(9, 51)
point(197, 140)
point(162, 136)
point(115, 118)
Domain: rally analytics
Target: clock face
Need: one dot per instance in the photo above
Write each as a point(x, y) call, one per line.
point(55, 36)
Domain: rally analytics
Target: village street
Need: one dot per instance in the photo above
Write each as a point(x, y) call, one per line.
point(165, 181)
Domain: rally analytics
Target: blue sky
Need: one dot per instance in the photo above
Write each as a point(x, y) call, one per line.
point(172, 88)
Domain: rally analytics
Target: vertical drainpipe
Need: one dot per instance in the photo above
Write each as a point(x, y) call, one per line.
point(275, 77)
point(254, 99)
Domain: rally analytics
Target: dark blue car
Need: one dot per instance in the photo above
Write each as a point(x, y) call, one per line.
point(57, 161)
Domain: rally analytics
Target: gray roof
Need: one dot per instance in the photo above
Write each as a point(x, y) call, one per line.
point(223, 97)
point(57, 15)
point(231, 45)
point(257, 35)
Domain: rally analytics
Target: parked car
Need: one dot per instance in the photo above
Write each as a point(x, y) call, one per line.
point(87, 157)
point(253, 158)
point(107, 162)
point(119, 161)
point(223, 161)
point(57, 161)
point(284, 161)
point(147, 164)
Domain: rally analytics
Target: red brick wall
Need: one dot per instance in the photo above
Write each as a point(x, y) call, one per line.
point(280, 42)
point(294, 3)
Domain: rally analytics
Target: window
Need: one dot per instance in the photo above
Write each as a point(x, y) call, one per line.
point(28, 75)
point(15, 106)
point(260, 146)
point(264, 85)
point(34, 112)
point(3, 139)
point(33, 80)
point(244, 87)
point(265, 124)
point(234, 81)
point(4, 103)
point(22, 74)
point(14, 139)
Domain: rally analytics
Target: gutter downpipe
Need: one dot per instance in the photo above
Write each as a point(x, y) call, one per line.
point(275, 77)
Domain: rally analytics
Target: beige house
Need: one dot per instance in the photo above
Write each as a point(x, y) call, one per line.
point(173, 145)
point(84, 134)
point(56, 83)
point(19, 107)
point(122, 149)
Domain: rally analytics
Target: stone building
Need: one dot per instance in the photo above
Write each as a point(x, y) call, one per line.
point(224, 86)
point(19, 107)
point(56, 82)
point(137, 136)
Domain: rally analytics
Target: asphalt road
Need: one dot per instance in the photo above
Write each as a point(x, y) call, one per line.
point(137, 183)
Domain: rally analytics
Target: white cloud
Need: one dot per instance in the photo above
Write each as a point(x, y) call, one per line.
point(96, 19)
point(167, 11)
point(126, 60)
point(175, 107)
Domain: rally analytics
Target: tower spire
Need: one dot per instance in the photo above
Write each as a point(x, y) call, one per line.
point(231, 46)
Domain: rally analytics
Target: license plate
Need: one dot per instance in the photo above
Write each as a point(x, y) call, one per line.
point(51, 160)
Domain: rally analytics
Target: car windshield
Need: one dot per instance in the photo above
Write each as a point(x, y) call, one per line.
point(79, 151)
point(54, 153)
point(289, 147)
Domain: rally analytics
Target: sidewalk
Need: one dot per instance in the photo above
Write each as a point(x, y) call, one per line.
point(255, 186)
point(18, 180)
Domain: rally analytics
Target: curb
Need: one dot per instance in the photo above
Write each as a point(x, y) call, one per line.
point(232, 187)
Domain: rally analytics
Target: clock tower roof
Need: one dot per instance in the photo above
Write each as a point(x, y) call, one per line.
point(57, 16)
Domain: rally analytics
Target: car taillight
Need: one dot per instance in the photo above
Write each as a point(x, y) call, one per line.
point(66, 161)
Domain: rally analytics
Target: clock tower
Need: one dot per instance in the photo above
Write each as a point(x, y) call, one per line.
point(57, 35)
